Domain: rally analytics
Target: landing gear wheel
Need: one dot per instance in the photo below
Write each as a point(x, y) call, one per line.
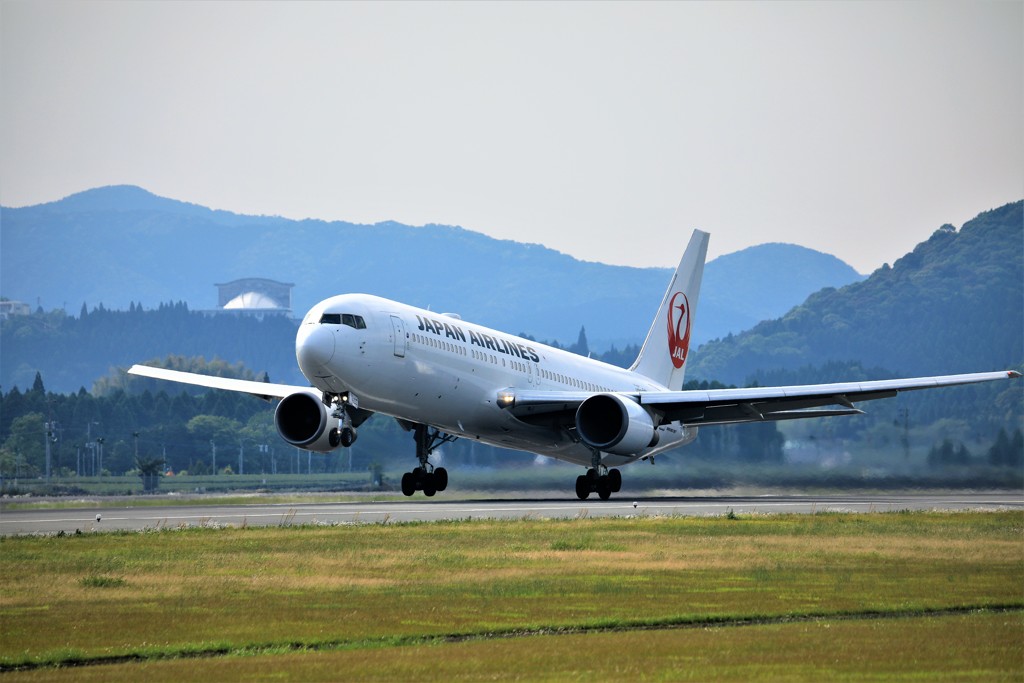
point(615, 479)
point(408, 483)
point(582, 487)
point(348, 437)
point(426, 477)
point(604, 488)
point(334, 438)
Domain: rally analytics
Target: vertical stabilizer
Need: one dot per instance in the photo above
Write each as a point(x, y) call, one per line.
point(667, 347)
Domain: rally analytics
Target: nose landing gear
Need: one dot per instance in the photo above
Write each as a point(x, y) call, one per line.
point(345, 406)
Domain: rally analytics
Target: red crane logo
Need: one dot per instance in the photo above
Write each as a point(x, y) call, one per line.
point(678, 314)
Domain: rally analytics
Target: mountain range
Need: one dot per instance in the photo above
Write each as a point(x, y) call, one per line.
point(121, 244)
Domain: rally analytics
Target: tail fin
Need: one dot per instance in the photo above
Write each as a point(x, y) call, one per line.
point(664, 353)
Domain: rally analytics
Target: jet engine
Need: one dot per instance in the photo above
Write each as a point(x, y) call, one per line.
point(303, 420)
point(615, 424)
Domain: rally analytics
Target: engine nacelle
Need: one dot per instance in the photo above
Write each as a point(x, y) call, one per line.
point(614, 424)
point(302, 420)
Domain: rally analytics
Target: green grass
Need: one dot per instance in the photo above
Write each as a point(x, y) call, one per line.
point(982, 646)
point(99, 581)
point(293, 597)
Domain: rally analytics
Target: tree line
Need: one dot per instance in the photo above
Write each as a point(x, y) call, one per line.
point(128, 423)
point(120, 432)
point(117, 432)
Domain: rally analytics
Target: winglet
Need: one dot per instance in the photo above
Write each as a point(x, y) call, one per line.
point(1012, 374)
point(664, 353)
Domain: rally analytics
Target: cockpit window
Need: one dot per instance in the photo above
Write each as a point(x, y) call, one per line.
point(354, 321)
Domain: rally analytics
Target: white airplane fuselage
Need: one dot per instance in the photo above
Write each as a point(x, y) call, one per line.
point(437, 369)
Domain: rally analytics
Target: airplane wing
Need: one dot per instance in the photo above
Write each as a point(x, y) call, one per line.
point(728, 406)
point(264, 390)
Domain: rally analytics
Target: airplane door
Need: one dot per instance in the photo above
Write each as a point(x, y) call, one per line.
point(399, 328)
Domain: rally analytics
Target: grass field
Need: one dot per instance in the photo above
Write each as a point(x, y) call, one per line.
point(887, 595)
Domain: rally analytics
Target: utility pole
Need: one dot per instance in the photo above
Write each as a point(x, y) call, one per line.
point(90, 444)
point(905, 439)
point(265, 449)
point(47, 436)
point(241, 450)
point(50, 431)
point(214, 447)
point(100, 441)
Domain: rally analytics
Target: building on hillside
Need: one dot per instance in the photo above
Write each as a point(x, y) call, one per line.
point(11, 308)
point(255, 296)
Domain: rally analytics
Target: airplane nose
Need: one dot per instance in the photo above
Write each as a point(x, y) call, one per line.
point(314, 348)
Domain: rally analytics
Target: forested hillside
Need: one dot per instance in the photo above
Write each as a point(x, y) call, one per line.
point(743, 288)
point(73, 352)
point(955, 304)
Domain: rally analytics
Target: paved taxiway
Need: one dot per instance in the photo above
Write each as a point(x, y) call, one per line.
point(420, 509)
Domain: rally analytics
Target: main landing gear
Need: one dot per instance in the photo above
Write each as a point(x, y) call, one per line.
point(604, 484)
point(426, 477)
point(598, 478)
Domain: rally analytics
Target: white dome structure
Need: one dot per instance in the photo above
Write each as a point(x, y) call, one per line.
point(251, 301)
point(255, 296)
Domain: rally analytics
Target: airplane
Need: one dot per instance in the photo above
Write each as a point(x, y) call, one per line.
point(443, 378)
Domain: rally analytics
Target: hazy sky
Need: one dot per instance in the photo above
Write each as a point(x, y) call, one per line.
point(606, 130)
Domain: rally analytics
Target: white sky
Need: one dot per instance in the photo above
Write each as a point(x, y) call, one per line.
point(606, 131)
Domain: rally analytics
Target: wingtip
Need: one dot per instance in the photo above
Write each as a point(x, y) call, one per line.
point(1012, 374)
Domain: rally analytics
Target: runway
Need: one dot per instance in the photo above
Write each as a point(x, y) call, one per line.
point(419, 509)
